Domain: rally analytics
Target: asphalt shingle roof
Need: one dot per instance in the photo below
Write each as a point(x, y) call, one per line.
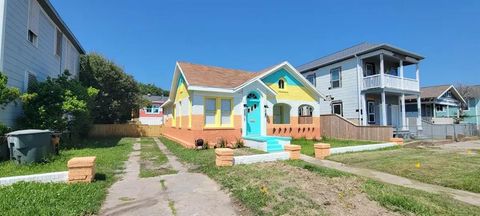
point(349, 53)
point(212, 76)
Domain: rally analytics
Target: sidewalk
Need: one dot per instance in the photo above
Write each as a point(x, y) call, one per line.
point(464, 196)
point(178, 194)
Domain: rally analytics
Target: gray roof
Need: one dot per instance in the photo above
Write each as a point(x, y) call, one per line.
point(155, 98)
point(53, 14)
point(351, 52)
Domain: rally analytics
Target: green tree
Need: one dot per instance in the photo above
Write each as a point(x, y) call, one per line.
point(58, 104)
point(151, 89)
point(7, 94)
point(119, 93)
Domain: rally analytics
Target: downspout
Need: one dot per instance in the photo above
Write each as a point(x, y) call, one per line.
point(359, 98)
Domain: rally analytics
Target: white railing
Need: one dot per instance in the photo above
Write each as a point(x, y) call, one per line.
point(411, 84)
point(374, 81)
point(390, 81)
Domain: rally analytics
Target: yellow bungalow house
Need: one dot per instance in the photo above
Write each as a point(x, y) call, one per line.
point(265, 109)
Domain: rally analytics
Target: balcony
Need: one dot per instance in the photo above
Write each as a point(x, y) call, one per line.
point(391, 82)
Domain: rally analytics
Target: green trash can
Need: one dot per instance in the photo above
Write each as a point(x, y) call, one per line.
point(30, 146)
point(4, 152)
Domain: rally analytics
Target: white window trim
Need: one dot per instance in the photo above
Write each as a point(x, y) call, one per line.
point(157, 106)
point(339, 77)
point(336, 103)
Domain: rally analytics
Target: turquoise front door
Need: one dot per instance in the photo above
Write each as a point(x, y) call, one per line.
point(253, 116)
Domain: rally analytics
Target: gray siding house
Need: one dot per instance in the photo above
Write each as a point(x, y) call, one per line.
point(34, 44)
point(367, 83)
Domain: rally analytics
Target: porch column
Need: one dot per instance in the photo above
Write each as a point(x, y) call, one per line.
point(417, 72)
point(364, 109)
point(382, 72)
point(448, 111)
point(434, 109)
point(404, 116)
point(384, 109)
point(401, 73)
point(419, 117)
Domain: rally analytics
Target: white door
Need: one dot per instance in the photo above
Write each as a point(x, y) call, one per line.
point(395, 116)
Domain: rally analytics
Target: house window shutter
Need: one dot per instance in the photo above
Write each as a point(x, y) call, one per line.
point(59, 39)
point(34, 17)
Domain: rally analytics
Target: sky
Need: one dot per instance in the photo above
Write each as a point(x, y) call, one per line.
point(147, 37)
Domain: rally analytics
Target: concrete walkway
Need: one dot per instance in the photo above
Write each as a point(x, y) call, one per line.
point(464, 196)
point(178, 194)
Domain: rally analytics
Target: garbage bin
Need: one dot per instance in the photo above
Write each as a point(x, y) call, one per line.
point(4, 152)
point(30, 146)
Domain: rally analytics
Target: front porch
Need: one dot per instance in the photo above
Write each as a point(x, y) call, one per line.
point(387, 109)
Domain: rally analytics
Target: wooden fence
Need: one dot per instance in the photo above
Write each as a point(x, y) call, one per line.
point(125, 130)
point(338, 127)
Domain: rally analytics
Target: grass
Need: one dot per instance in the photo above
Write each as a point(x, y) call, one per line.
point(450, 169)
point(152, 160)
point(400, 199)
point(308, 149)
point(257, 189)
point(61, 198)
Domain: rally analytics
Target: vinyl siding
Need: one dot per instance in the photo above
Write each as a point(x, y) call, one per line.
point(347, 93)
point(20, 56)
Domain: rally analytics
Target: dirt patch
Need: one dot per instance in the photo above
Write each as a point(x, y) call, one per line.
point(337, 196)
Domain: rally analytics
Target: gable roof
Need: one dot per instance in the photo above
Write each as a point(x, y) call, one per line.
point(53, 14)
point(434, 92)
point(212, 76)
point(351, 52)
point(218, 79)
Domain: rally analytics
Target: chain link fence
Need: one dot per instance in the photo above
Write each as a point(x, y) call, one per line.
point(442, 131)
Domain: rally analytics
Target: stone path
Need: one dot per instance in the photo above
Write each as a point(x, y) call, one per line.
point(464, 196)
point(178, 194)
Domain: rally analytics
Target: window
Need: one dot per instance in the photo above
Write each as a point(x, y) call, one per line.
point(312, 79)
point(393, 71)
point(336, 77)
point(218, 112)
point(337, 108)
point(305, 114)
point(371, 112)
point(33, 22)
point(152, 109)
point(32, 37)
point(226, 112)
point(281, 114)
point(369, 69)
point(440, 108)
point(210, 110)
point(448, 94)
point(30, 81)
point(281, 84)
point(58, 43)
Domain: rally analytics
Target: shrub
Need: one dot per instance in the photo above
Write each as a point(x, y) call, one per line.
point(7, 94)
point(239, 143)
point(221, 143)
point(119, 93)
point(58, 104)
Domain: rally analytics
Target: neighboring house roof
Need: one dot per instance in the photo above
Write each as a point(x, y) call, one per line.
point(53, 14)
point(434, 92)
point(473, 91)
point(211, 76)
point(351, 52)
point(155, 98)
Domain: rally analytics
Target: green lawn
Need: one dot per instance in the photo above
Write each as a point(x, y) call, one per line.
point(456, 170)
point(307, 145)
point(61, 198)
point(152, 160)
point(277, 189)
